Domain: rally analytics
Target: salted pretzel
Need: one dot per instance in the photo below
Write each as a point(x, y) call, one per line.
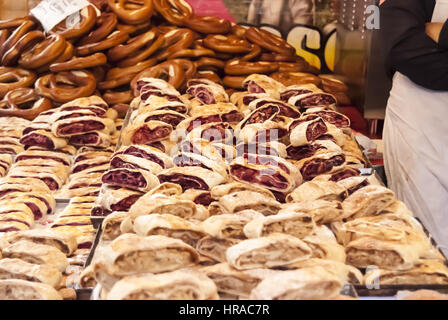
point(66, 86)
point(174, 11)
point(130, 46)
point(24, 103)
point(88, 19)
point(18, 33)
point(143, 53)
point(208, 25)
point(174, 41)
point(227, 44)
point(238, 67)
point(67, 54)
point(105, 24)
point(132, 12)
point(13, 78)
point(169, 71)
point(118, 76)
point(77, 63)
point(235, 82)
point(269, 41)
point(117, 97)
point(11, 56)
point(114, 39)
point(43, 52)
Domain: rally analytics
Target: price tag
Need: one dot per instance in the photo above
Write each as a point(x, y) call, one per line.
point(51, 12)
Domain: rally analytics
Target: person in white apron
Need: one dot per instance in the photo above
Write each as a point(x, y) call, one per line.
point(415, 33)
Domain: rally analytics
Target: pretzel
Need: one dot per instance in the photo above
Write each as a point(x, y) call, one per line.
point(105, 24)
point(295, 78)
point(88, 19)
point(19, 32)
point(169, 71)
point(13, 78)
point(299, 66)
point(4, 35)
point(110, 41)
point(254, 53)
point(43, 52)
point(174, 41)
point(132, 12)
point(238, 67)
point(188, 66)
point(208, 25)
point(192, 53)
point(209, 75)
point(174, 11)
point(118, 76)
point(24, 103)
point(227, 44)
point(205, 63)
point(143, 53)
point(117, 97)
point(67, 54)
point(133, 44)
point(121, 108)
point(76, 63)
point(135, 29)
point(66, 86)
point(277, 57)
point(235, 82)
point(269, 41)
point(13, 23)
point(29, 39)
point(238, 30)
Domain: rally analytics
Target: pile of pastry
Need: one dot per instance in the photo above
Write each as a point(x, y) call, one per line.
point(116, 41)
point(247, 191)
point(35, 265)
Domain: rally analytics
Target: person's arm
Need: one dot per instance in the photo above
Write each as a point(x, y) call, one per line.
point(409, 49)
point(438, 32)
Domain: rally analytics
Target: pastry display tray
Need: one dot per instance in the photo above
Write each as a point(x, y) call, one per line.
point(388, 290)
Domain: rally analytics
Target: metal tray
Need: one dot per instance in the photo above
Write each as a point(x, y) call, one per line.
point(388, 290)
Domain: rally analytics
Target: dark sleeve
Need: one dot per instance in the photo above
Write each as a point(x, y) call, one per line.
point(443, 37)
point(408, 49)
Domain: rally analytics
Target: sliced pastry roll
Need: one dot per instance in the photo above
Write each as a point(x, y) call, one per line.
point(43, 139)
point(311, 190)
point(146, 133)
point(16, 289)
point(303, 284)
point(297, 224)
point(229, 225)
point(111, 225)
point(176, 285)
point(243, 200)
point(191, 177)
point(130, 254)
point(169, 225)
point(36, 253)
point(94, 139)
point(322, 211)
point(323, 163)
point(258, 83)
point(303, 132)
point(135, 179)
point(215, 248)
point(80, 125)
point(272, 251)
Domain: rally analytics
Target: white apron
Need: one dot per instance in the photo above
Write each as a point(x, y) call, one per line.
point(416, 148)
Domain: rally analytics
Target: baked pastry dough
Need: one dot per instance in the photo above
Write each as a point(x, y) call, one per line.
point(303, 132)
point(229, 225)
point(145, 133)
point(130, 254)
point(191, 177)
point(81, 125)
point(185, 159)
point(136, 179)
point(215, 248)
point(20, 269)
point(63, 242)
point(297, 224)
point(423, 272)
point(111, 225)
point(15, 289)
point(170, 226)
point(147, 152)
point(258, 83)
point(44, 139)
point(232, 187)
point(311, 190)
point(324, 249)
point(243, 200)
point(368, 201)
point(303, 284)
point(36, 253)
point(270, 172)
point(176, 285)
point(272, 251)
point(87, 277)
point(322, 211)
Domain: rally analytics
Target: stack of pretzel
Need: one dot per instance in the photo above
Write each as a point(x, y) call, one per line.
point(118, 40)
